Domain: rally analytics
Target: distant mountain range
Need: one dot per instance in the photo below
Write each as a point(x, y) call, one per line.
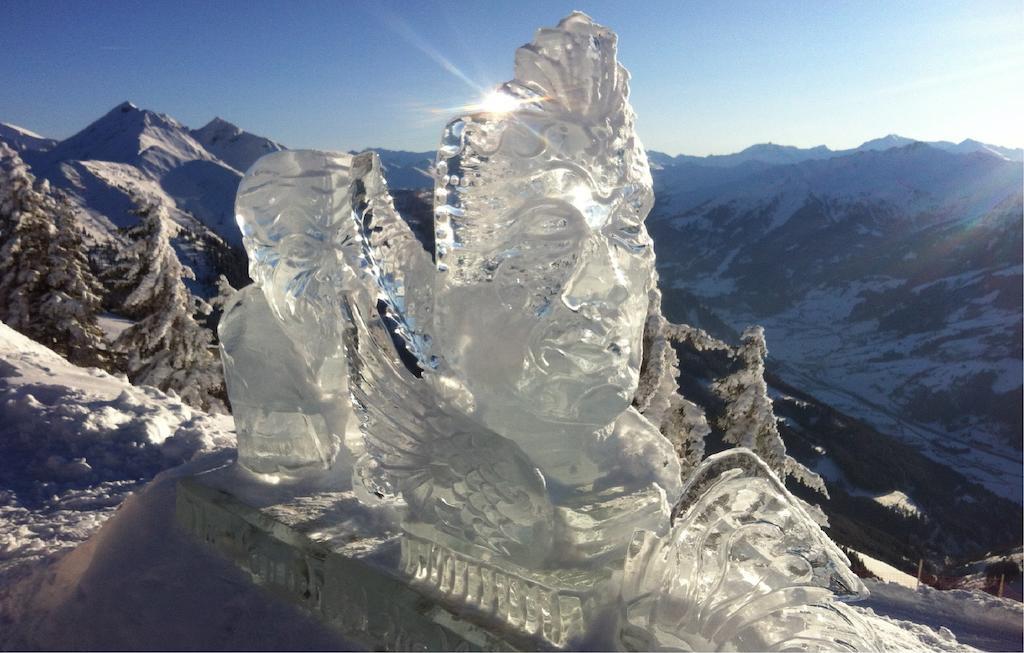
point(772, 154)
point(889, 282)
point(888, 277)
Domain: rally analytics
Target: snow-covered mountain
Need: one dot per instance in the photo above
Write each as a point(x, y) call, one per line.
point(773, 154)
point(889, 282)
point(22, 139)
point(407, 170)
point(232, 145)
point(131, 151)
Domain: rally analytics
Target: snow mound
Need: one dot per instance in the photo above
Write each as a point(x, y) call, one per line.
point(75, 442)
point(142, 584)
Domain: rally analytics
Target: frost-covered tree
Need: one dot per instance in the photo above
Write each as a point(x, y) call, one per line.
point(657, 398)
point(71, 303)
point(225, 291)
point(47, 290)
point(166, 347)
point(749, 420)
point(27, 231)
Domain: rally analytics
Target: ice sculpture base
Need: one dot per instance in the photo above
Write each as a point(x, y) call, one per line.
point(553, 607)
point(351, 582)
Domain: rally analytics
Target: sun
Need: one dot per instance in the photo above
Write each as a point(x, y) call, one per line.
point(498, 101)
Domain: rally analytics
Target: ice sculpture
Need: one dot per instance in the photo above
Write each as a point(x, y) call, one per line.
point(286, 424)
point(492, 380)
point(545, 264)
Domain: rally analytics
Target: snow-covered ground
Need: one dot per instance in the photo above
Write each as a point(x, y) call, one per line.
point(141, 584)
point(75, 442)
point(974, 618)
point(91, 558)
point(887, 573)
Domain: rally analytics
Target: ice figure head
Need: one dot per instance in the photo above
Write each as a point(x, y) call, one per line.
point(544, 263)
point(296, 236)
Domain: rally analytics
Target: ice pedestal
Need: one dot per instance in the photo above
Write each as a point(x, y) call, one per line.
point(348, 584)
point(379, 588)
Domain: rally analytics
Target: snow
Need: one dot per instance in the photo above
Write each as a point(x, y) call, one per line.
point(182, 596)
point(142, 584)
point(900, 502)
point(76, 441)
point(113, 325)
point(976, 618)
point(887, 572)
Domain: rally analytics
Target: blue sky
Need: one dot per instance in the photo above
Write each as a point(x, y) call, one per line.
point(708, 77)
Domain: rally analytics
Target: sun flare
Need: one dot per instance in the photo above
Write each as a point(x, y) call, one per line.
point(497, 102)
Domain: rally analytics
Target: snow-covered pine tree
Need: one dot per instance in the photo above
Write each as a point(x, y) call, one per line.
point(749, 420)
point(26, 232)
point(71, 304)
point(46, 288)
point(166, 347)
point(657, 398)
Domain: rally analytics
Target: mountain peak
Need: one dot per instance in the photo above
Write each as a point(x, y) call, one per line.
point(232, 144)
point(886, 142)
point(218, 124)
point(128, 134)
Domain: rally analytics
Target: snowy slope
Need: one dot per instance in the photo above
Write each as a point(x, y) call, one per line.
point(75, 442)
point(22, 139)
point(975, 618)
point(232, 145)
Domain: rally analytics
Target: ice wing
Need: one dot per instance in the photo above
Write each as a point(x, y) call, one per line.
point(744, 567)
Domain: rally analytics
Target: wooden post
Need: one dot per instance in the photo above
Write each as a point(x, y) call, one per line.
point(920, 570)
point(1002, 582)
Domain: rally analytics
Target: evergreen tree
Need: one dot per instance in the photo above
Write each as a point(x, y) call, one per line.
point(749, 420)
point(27, 232)
point(658, 399)
point(71, 303)
point(166, 347)
point(46, 288)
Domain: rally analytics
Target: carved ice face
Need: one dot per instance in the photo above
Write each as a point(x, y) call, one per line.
point(545, 268)
point(293, 210)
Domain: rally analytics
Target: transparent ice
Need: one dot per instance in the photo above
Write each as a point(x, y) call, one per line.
point(492, 379)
